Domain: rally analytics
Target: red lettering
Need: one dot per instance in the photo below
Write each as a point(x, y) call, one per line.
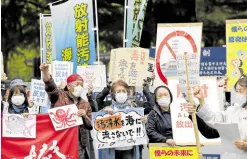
point(169, 153)
point(157, 153)
point(180, 124)
point(188, 124)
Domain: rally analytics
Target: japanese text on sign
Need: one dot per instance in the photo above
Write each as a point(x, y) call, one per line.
point(139, 22)
point(193, 72)
point(48, 42)
point(173, 152)
point(40, 97)
point(124, 128)
point(130, 66)
point(213, 61)
point(61, 70)
point(238, 39)
point(82, 38)
point(93, 74)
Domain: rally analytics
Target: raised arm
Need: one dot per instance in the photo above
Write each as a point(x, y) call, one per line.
point(50, 86)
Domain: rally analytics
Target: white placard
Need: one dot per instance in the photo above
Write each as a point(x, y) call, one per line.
point(65, 117)
point(129, 65)
point(38, 93)
point(17, 126)
point(171, 40)
point(123, 128)
point(93, 74)
point(61, 70)
point(181, 124)
point(193, 72)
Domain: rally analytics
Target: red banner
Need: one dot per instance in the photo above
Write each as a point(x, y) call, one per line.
point(48, 143)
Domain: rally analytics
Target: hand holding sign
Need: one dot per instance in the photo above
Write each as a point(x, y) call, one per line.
point(240, 144)
point(109, 110)
point(170, 142)
point(81, 112)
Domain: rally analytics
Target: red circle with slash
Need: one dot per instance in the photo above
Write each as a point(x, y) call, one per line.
point(165, 43)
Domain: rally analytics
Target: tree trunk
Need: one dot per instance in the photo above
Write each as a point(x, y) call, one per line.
point(200, 10)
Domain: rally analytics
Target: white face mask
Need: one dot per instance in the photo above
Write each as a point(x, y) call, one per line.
point(121, 97)
point(18, 100)
point(164, 102)
point(240, 99)
point(77, 91)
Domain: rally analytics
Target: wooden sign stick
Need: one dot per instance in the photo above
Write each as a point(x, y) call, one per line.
point(198, 145)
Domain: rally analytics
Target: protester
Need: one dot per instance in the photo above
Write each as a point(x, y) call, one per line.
point(71, 95)
point(234, 114)
point(17, 102)
point(159, 125)
point(119, 93)
point(132, 98)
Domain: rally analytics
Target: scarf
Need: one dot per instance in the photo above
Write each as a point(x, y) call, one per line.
point(125, 105)
point(19, 109)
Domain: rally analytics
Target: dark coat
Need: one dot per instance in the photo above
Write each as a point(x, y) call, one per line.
point(157, 127)
point(92, 103)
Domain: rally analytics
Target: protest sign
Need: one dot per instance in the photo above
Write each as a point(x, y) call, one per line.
point(181, 124)
point(93, 74)
point(61, 70)
point(236, 50)
point(73, 24)
point(171, 40)
point(160, 151)
point(123, 128)
point(47, 42)
point(47, 144)
point(193, 72)
point(129, 65)
point(135, 19)
point(38, 93)
point(151, 62)
point(65, 117)
point(17, 126)
point(213, 61)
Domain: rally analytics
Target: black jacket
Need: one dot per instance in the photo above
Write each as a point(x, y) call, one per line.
point(157, 127)
point(101, 97)
point(205, 130)
point(92, 103)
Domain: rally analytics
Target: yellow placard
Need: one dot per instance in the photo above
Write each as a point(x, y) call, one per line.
point(173, 152)
point(236, 41)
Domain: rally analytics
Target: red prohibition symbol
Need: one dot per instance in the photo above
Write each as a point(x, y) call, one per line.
point(165, 43)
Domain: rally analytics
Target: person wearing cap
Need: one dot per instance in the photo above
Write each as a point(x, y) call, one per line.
point(71, 95)
point(17, 102)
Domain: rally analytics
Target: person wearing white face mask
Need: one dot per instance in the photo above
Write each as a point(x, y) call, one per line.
point(159, 125)
point(17, 98)
point(71, 94)
point(119, 92)
point(234, 114)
